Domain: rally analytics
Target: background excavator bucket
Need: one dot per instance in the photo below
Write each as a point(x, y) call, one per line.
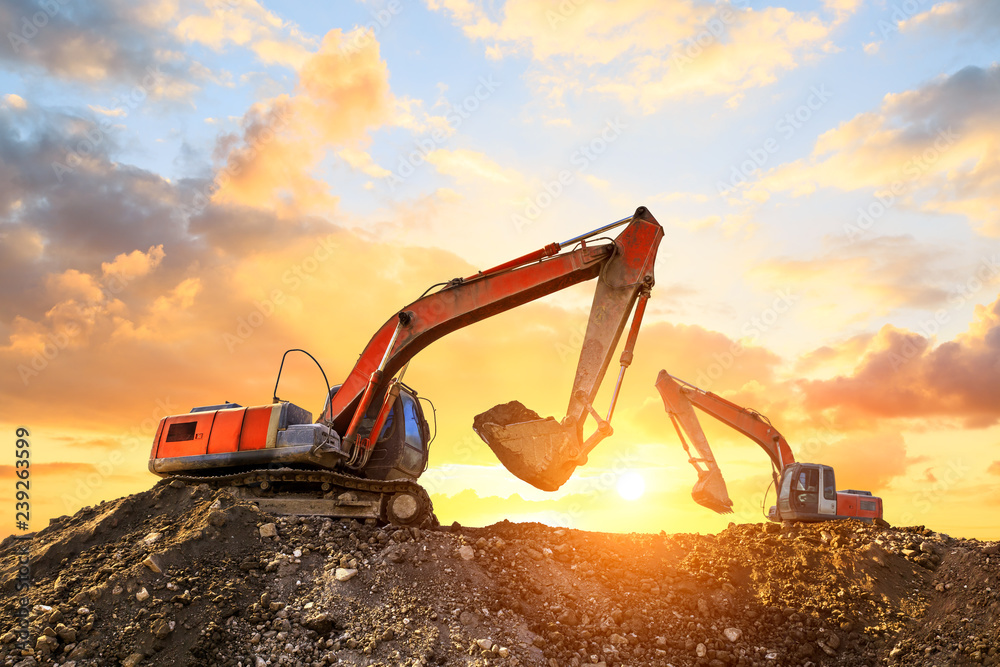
point(710, 491)
point(542, 452)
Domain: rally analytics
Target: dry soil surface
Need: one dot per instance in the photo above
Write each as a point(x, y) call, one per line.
point(185, 575)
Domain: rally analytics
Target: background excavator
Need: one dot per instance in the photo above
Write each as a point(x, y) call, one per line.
point(361, 457)
point(806, 491)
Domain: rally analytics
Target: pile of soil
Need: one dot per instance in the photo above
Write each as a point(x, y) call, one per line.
point(186, 575)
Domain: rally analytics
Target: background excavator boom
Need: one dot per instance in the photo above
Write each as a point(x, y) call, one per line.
point(806, 491)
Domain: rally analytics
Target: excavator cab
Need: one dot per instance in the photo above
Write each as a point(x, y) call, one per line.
point(403, 445)
point(808, 492)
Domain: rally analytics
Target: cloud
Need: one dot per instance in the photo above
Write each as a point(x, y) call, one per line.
point(903, 375)
point(927, 149)
point(110, 40)
point(247, 24)
point(135, 264)
point(15, 101)
point(994, 468)
point(464, 165)
point(855, 281)
point(980, 18)
point(363, 162)
point(648, 52)
point(341, 95)
point(118, 42)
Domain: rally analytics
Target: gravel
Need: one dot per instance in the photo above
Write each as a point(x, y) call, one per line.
point(186, 575)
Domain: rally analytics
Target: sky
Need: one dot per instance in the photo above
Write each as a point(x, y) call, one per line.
point(188, 189)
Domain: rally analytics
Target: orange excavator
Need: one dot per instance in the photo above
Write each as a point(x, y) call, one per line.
point(806, 491)
point(362, 456)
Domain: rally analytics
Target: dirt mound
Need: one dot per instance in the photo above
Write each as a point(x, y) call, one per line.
point(183, 575)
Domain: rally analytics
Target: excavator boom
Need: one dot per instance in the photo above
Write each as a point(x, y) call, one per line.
point(543, 452)
point(678, 398)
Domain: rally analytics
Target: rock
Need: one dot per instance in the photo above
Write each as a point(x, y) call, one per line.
point(344, 574)
point(133, 659)
point(268, 530)
point(701, 650)
point(152, 538)
point(142, 595)
point(321, 623)
point(466, 552)
point(67, 634)
point(733, 634)
point(618, 640)
point(217, 518)
point(833, 640)
point(154, 563)
point(826, 649)
point(927, 548)
point(162, 628)
point(485, 644)
point(568, 617)
point(46, 644)
point(468, 619)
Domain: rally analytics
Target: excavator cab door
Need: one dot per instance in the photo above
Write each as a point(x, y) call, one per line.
point(807, 492)
point(828, 498)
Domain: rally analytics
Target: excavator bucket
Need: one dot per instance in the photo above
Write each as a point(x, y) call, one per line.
point(710, 491)
point(542, 452)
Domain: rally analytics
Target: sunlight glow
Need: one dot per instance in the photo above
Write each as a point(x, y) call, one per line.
point(631, 485)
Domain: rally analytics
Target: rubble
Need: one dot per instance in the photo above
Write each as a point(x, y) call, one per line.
point(233, 593)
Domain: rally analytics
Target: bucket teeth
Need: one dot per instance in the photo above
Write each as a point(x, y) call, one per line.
point(710, 491)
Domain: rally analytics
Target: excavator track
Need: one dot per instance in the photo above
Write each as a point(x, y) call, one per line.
point(327, 493)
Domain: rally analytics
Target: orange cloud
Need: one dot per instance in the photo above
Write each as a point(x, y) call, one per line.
point(903, 375)
point(928, 149)
point(342, 93)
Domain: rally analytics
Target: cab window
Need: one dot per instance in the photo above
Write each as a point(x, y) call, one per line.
point(413, 435)
point(829, 486)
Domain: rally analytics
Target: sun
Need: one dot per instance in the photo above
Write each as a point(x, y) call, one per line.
point(631, 485)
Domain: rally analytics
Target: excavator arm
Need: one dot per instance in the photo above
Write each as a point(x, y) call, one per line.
point(543, 452)
point(679, 397)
